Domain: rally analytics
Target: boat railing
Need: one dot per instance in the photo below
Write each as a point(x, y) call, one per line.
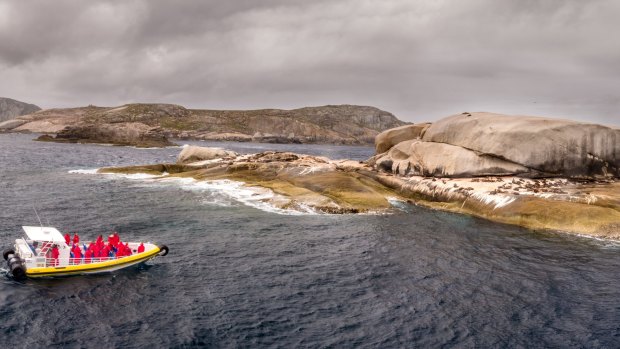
point(53, 262)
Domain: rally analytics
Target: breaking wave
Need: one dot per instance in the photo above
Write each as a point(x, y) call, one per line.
point(225, 193)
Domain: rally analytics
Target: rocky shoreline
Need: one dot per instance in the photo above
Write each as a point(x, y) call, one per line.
point(533, 172)
point(303, 182)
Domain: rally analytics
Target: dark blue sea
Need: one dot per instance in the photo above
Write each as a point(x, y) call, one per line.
point(240, 275)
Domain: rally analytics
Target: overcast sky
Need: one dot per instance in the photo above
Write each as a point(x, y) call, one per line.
point(421, 60)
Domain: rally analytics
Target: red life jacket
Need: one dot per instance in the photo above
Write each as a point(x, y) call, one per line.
point(76, 238)
point(141, 248)
point(67, 238)
point(55, 252)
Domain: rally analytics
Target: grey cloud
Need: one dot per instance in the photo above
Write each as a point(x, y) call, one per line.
point(421, 60)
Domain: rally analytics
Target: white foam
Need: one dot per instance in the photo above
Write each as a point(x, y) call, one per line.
point(257, 197)
point(496, 200)
point(224, 192)
point(134, 175)
point(119, 175)
point(398, 204)
point(85, 171)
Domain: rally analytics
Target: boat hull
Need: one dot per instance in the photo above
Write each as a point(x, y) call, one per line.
point(93, 268)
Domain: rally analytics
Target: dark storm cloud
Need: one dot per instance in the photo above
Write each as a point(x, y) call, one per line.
point(419, 59)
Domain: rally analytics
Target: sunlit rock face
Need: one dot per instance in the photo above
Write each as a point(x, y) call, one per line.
point(481, 144)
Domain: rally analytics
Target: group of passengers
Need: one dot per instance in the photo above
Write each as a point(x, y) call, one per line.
point(97, 250)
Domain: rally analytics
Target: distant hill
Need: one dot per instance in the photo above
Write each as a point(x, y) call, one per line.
point(10, 108)
point(333, 124)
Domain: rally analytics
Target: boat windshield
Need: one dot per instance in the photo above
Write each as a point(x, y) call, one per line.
point(39, 248)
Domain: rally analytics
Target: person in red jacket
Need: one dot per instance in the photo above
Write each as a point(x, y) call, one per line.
point(91, 249)
point(77, 253)
point(105, 252)
point(127, 249)
point(76, 238)
point(55, 255)
point(68, 238)
point(141, 248)
point(87, 256)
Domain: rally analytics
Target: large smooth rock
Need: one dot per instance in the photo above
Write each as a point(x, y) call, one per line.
point(552, 146)
point(421, 158)
point(194, 154)
point(389, 138)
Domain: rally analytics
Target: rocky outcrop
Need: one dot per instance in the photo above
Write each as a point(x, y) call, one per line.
point(481, 144)
point(389, 138)
point(309, 183)
point(300, 182)
point(126, 134)
point(444, 160)
point(334, 124)
point(10, 108)
point(194, 154)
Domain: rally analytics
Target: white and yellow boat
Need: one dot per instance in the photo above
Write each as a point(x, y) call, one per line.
point(30, 256)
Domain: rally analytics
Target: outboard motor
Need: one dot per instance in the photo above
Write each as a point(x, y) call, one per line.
point(16, 266)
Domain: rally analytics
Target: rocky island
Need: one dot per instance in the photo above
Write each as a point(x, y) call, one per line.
point(534, 172)
point(151, 125)
point(10, 109)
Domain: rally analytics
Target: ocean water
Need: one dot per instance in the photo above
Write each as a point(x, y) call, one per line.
point(244, 275)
